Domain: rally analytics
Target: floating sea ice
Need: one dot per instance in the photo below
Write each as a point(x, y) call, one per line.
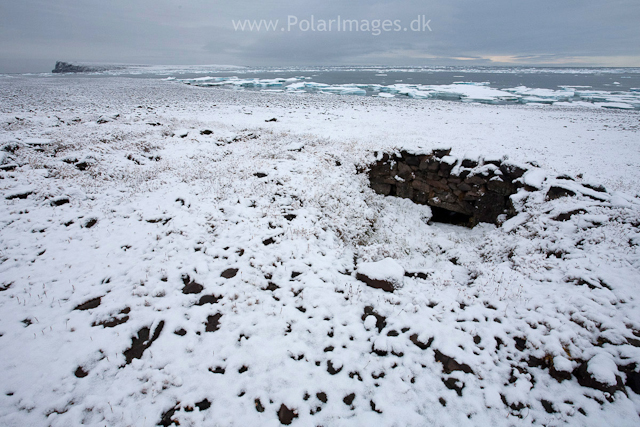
point(593, 95)
point(353, 91)
point(536, 100)
point(533, 94)
point(472, 83)
point(418, 94)
point(314, 85)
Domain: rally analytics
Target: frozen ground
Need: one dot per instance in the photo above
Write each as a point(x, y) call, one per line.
point(170, 254)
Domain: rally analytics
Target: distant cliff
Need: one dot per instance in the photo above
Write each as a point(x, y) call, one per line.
point(67, 67)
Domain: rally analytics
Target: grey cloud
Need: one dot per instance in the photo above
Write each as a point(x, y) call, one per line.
point(36, 33)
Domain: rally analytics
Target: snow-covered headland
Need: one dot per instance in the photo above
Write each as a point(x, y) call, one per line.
point(170, 253)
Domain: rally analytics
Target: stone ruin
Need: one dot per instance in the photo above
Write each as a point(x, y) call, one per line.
point(463, 191)
point(459, 191)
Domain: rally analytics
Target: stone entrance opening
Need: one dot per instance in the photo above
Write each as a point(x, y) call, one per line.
point(446, 216)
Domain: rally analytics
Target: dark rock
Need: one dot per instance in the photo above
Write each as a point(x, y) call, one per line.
point(190, 286)
point(142, 342)
point(555, 192)
point(565, 177)
point(586, 380)
point(271, 287)
point(520, 343)
point(599, 188)
point(404, 190)
point(475, 180)
point(92, 303)
point(229, 273)
point(558, 375)
point(512, 171)
point(331, 369)
point(59, 201)
point(286, 415)
point(384, 189)
point(469, 163)
point(420, 344)
point(83, 165)
point(11, 147)
point(19, 195)
point(114, 321)
point(548, 406)
point(203, 405)
point(375, 283)
point(633, 381)
point(166, 418)
point(449, 364)
point(80, 372)
point(454, 384)
point(208, 299)
point(440, 153)
point(419, 275)
point(348, 399)
point(404, 170)
point(411, 160)
point(440, 184)
point(206, 132)
point(381, 321)
point(464, 187)
point(213, 323)
point(322, 397)
point(565, 216)
point(500, 187)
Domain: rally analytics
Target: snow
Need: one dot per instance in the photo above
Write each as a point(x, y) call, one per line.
point(603, 369)
point(562, 364)
point(38, 141)
point(387, 269)
point(534, 178)
point(240, 249)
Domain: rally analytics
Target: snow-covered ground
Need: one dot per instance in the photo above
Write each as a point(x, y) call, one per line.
point(170, 253)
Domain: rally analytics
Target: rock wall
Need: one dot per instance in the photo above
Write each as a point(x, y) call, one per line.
point(473, 190)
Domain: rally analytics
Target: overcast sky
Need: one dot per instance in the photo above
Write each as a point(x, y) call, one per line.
point(36, 33)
